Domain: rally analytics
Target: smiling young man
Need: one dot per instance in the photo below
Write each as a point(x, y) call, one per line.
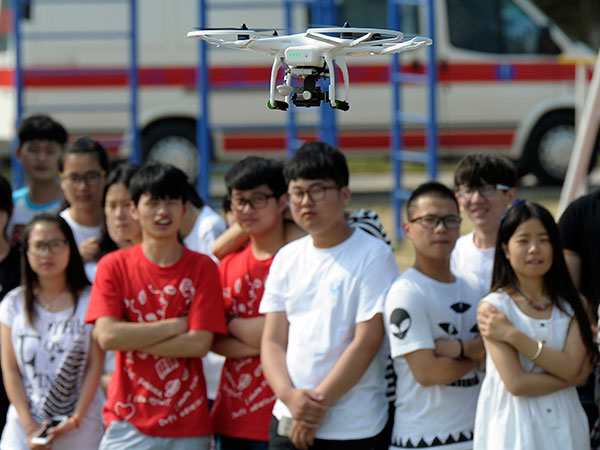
point(158, 305)
point(322, 349)
point(485, 188)
point(430, 315)
point(242, 410)
point(41, 142)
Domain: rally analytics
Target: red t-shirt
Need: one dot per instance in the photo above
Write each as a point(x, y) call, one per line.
point(160, 396)
point(244, 401)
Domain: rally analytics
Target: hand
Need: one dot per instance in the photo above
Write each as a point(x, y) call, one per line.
point(493, 324)
point(63, 428)
point(302, 436)
point(474, 349)
point(89, 249)
point(306, 406)
point(31, 432)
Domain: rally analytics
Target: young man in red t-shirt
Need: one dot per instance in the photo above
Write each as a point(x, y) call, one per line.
point(158, 304)
point(242, 410)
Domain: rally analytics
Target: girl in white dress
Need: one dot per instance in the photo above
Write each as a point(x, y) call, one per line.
point(50, 363)
point(538, 339)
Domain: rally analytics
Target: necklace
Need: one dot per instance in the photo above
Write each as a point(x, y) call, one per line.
point(47, 303)
point(543, 307)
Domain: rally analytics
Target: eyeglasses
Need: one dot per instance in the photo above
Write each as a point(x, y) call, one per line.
point(316, 193)
point(487, 190)
point(91, 178)
point(258, 200)
point(55, 246)
point(431, 221)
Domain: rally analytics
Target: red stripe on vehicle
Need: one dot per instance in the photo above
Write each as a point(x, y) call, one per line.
point(259, 75)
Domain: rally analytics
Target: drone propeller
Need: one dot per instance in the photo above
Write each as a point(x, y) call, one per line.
point(412, 44)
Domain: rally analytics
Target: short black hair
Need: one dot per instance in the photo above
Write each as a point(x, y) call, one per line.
point(317, 160)
point(194, 197)
point(479, 169)
point(160, 181)
point(254, 171)
point(86, 145)
point(41, 127)
point(429, 189)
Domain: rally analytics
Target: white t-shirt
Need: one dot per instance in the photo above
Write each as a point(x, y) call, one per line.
point(80, 232)
point(24, 211)
point(208, 227)
point(419, 310)
point(467, 258)
point(52, 359)
point(325, 292)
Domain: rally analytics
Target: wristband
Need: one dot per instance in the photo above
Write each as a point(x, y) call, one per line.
point(461, 356)
point(540, 345)
point(75, 419)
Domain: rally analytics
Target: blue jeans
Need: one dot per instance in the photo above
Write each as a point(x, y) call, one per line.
point(230, 443)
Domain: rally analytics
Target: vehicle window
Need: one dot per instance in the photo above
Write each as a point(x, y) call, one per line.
point(474, 25)
point(373, 14)
point(496, 26)
point(520, 33)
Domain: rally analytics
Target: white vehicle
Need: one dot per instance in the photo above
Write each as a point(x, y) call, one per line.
point(501, 84)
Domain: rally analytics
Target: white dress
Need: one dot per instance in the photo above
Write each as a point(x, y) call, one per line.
point(545, 422)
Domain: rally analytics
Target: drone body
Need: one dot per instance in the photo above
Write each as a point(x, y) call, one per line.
point(311, 56)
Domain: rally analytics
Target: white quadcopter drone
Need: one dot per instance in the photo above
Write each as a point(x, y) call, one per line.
point(310, 56)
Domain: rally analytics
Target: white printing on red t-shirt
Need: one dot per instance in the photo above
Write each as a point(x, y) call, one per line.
point(160, 396)
point(244, 400)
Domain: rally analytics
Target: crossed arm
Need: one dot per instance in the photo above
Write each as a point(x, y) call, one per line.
point(308, 407)
point(243, 339)
point(567, 367)
point(169, 337)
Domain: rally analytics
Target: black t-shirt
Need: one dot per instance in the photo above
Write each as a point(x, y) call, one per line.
point(10, 277)
point(580, 231)
point(10, 272)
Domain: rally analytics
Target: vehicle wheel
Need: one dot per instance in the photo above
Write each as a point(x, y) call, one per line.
point(550, 146)
point(172, 142)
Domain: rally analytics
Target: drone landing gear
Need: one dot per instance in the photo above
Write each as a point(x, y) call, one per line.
point(340, 104)
point(278, 104)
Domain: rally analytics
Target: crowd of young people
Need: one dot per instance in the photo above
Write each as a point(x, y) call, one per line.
point(303, 302)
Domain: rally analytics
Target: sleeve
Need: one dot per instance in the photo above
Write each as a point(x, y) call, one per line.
point(569, 226)
point(496, 299)
point(273, 299)
point(207, 311)
point(9, 306)
point(106, 298)
point(375, 282)
point(406, 321)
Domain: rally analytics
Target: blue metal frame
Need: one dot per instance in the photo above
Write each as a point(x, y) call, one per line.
point(398, 155)
point(323, 13)
point(131, 34)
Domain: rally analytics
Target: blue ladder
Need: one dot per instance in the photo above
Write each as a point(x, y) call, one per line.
point(129, 34)
point(398, 154)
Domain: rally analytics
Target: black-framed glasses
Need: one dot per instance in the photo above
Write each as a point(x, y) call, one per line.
point(258, 200)
point(55, 246)
point(91, 178)
point(431, 221)
point(486, 190)
point(316, 193)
